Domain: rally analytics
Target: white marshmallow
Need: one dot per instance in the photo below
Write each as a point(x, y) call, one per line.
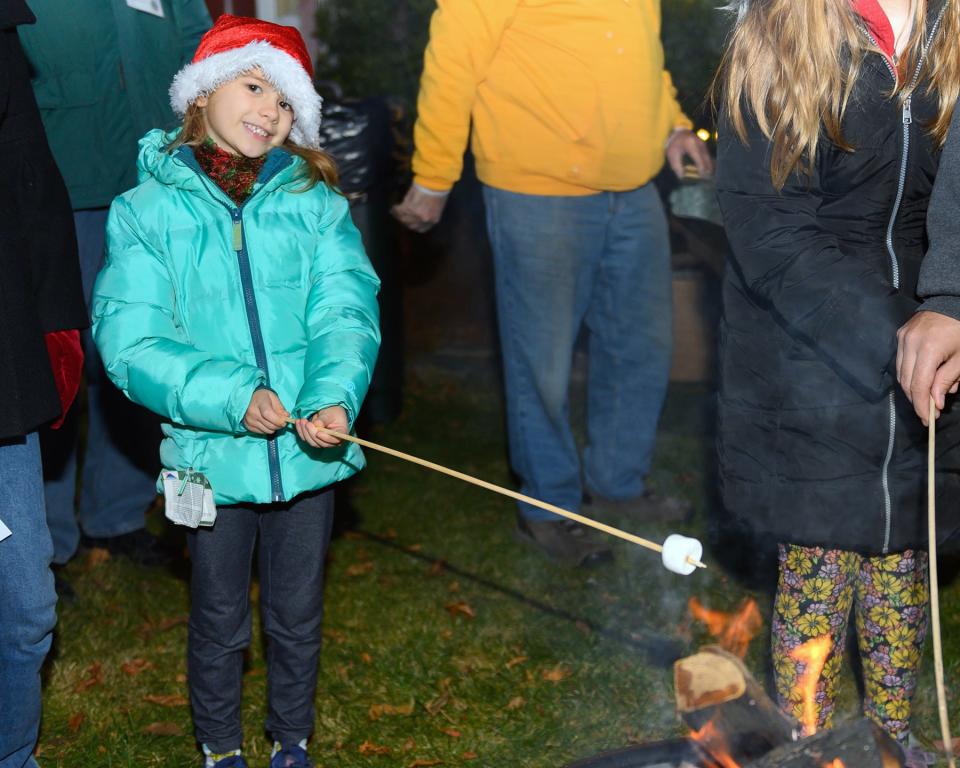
point(678, 551)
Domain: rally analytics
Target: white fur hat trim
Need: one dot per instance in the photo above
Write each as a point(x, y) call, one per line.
point(282, 70)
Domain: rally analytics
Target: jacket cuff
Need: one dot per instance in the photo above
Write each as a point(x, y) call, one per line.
point(942, 305)
point(437, 186)
point(240, 401)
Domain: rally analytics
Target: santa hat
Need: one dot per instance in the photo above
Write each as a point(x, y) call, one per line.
point(236, 44)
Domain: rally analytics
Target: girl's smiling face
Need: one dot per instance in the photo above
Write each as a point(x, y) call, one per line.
point(247, 116)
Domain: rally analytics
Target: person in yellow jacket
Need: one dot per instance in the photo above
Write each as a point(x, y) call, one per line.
point(572, 116)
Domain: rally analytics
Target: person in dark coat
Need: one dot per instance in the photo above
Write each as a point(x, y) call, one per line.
point(41, 306)
point(100, 71)
point(824, 193)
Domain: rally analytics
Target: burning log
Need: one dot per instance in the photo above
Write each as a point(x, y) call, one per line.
point(860, 744)
point(733, 719)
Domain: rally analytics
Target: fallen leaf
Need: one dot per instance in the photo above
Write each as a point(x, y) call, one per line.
point(359, 569)
point(135, 666)
point(96, 557)
point(461, 607)
point(369, 748)
point(181, 678)
point(335, 634)
point(558, 673)
point(453, 733)
point(408, 745)
point(366, 658)
point(170, 700)
point(469, 756)
point(377, 711)
point(172, 621)
point(938, 745)
point(438, 567)
point(423, 763)
point(76, 721)
point(454, 587)
point(516, 702)
point(583, 627)
point(149, 628)
point(435, 705)
point(516, 660)
point(94, 677)
point(163, 729)
point(391, 533)
point(414, 548)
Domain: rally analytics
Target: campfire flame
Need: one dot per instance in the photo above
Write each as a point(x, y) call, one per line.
point(813, 655)
point(714, 745)
point(733, 631)
point(835, 763)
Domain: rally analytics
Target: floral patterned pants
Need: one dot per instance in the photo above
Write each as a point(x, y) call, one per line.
point(816, 589)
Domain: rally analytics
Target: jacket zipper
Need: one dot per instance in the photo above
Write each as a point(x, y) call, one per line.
point(253, 315)
point(907, 120)
point(256, 334)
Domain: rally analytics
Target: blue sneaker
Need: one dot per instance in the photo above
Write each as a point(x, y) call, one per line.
point(231, 759)
point(294, 756)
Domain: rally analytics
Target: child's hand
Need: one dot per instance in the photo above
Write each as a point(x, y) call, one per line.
point(333, 418)
point(265, 414)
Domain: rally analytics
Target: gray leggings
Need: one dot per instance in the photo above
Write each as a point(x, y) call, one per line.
point(292, 546)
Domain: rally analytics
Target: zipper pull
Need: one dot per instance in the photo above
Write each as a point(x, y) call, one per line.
point(907, 114)
point(238, 236)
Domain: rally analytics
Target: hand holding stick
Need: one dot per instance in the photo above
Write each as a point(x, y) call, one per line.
point(678, 552)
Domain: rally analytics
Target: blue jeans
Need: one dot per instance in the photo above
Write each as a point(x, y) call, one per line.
point(120, 461)
point(561, 263)
point(27, 599)
point(290, 541)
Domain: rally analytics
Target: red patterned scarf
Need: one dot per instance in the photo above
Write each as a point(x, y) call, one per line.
point(234, 174)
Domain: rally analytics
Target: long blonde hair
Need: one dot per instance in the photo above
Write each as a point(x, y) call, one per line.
point(792, 64)
point(320, 167)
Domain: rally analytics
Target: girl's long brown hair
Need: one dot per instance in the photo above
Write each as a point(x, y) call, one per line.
point(792, 64)
point(320, 167)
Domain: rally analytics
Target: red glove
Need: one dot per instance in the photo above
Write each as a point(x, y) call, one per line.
point(66, 360)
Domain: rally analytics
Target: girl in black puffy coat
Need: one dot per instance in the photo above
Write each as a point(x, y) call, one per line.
point(834, 112)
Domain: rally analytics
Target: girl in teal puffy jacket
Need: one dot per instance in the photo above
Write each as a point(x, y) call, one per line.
point(238, 303)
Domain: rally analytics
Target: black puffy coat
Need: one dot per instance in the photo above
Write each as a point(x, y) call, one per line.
point(40, 288)
point(816, 444)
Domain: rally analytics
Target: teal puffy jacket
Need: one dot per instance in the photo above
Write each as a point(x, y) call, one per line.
point(201, 302)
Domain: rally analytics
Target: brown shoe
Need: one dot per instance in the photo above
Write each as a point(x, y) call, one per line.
point(650, 507)
point(565, 541)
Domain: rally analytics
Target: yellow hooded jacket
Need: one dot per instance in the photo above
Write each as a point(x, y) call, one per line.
point(567, 97)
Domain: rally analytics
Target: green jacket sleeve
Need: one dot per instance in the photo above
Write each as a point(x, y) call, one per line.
point(193, 20)
point(146, 353)
point(343, 319)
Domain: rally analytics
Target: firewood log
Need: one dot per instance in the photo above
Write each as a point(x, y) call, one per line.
point(728, 710)
point(860, 744)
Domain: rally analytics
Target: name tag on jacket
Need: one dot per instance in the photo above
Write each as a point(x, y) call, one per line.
point(153, 7)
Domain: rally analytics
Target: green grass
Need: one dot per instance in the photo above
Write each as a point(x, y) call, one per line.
point(554, 664)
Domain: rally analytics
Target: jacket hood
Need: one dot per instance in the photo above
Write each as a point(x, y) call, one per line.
point(179, 168)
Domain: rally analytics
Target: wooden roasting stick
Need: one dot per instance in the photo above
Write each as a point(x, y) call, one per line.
point(934, 588)
point(503, 491)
